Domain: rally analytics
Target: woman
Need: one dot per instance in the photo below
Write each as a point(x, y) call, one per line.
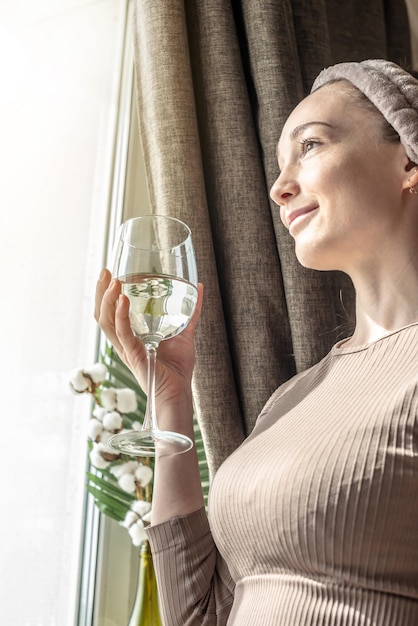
point(314, 519)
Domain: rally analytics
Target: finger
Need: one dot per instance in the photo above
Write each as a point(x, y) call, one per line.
point(123, 326)
point(101, 286)
point(106, 318)
point(133, 348)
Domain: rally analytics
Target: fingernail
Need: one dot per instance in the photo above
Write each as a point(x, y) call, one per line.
point(102, 274)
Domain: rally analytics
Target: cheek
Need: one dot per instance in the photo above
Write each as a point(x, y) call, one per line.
point(324, 175)
point(346, 188)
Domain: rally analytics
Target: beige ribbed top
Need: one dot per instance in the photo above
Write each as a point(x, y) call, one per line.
point(316, 513)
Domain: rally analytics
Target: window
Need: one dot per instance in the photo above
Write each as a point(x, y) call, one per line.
point(62, 116)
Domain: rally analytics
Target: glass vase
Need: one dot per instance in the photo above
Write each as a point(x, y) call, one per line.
point(146, 610)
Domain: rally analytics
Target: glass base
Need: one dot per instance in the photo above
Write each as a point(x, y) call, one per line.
point(150, 443)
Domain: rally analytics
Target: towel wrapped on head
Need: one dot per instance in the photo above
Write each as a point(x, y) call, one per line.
point(392, 90)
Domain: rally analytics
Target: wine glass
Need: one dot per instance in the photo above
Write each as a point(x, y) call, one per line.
point(155, 263)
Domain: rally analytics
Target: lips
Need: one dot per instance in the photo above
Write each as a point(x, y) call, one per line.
point(296, 215)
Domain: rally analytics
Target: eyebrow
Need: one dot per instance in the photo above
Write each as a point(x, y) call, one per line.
point(296, 132)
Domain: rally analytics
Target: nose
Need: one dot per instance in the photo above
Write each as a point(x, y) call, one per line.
point(283, 189)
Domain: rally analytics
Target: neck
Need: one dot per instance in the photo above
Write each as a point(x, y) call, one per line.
point(384, 305)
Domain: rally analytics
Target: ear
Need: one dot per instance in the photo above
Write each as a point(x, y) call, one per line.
point(412, 180)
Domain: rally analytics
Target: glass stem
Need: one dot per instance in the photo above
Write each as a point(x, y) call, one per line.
point(150, 418)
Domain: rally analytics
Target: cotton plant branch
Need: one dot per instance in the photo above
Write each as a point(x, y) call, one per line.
point(120, 484)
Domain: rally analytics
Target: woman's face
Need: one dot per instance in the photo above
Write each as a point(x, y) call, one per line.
point(341, 185)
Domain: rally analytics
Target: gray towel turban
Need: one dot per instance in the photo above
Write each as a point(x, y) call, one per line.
point(392, 90)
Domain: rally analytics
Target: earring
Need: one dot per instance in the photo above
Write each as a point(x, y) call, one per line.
point(411, 186)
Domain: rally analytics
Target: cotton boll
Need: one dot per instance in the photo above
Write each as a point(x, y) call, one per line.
point(116, 471)
point(143, 475)
point(99, 413)
point(98, 372)
point(108, 453)
point(137, 533)
point(141, 507)
point(129, 467)
point(94, 428)
point(78, 381)
point(136, 426)
point(124, 468)
point(108, 399)
point(126, 400)
point(112, 421)
point(130, 518)
point(127, 483)
point(96, 458)
point(104, 438)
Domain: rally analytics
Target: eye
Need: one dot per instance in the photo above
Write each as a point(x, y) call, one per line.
point(308, 144)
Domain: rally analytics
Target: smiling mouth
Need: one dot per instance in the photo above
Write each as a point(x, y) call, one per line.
point(297, 216)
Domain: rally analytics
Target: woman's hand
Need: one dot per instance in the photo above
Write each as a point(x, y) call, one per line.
point(175, 357)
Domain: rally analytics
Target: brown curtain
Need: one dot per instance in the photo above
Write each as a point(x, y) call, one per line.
point(215, 82)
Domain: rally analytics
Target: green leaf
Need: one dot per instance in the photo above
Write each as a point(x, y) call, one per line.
point(111, 488)
point(103, 502)
point(114, 513)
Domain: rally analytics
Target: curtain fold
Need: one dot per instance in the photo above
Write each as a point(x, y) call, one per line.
point(215, 82)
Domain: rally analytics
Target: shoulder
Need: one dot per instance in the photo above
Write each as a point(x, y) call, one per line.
point(291, 384)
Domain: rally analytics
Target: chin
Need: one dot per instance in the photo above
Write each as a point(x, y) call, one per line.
point(306, 256)
point(313, 258)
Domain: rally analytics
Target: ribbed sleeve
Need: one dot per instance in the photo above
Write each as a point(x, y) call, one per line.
point(193, 581)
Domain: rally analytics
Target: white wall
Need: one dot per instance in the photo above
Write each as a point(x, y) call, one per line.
point(60, 68)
